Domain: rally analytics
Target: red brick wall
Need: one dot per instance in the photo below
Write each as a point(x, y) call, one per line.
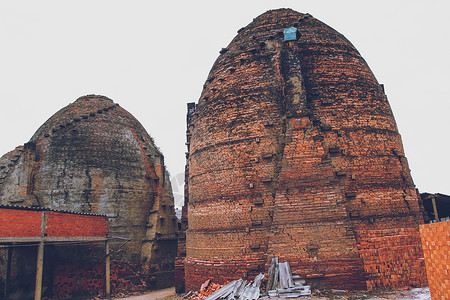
point(20, 223)
point(74, 225)
point(27, 223)
point(436, 247)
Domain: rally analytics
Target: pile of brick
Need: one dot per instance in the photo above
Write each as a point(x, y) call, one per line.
point(237, 289)
point(72, 280)
point(78, 280)
point(206, 290)
point(392, 257)
point(126, 277)
point(436, 248)
point(280, 284)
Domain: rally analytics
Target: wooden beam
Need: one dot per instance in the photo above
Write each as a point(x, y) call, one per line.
point(8, 273)
point(108, 269)
point(39, 267)
point(51, 239)
point(433, 201)
point(40, 261)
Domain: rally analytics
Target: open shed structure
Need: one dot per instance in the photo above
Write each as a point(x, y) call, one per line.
point(35, 228)
point(437, 206)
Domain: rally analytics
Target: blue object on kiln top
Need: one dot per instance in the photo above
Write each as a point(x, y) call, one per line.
point(290, 34)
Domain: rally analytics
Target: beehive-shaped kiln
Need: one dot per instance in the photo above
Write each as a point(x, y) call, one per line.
point(93, 156)
point(294, 152)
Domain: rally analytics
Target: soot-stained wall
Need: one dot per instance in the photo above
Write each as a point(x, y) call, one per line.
point(93, 156)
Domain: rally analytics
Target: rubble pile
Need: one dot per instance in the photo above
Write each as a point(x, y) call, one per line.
point(280, 284)
point(207, 289)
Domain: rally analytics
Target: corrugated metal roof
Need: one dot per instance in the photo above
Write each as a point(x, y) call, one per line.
point(39, 208)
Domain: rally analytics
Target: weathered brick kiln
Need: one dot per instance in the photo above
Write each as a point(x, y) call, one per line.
point(94, 157)
point(294, 152)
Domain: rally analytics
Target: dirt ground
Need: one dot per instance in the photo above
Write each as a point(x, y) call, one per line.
point(397, 294)
point(161, 294)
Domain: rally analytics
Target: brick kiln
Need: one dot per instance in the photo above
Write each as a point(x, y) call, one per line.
point(94, 157)
point(294, 152)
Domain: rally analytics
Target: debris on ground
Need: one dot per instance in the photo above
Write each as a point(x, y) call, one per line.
point(205, 285)
point(280, 284)
point(209, 288)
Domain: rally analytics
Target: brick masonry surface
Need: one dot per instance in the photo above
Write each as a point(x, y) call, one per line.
point(293, 151)
point(85, 279)
point(73, 225)
point(436, 247)
point(20, 223)
point(27, 223)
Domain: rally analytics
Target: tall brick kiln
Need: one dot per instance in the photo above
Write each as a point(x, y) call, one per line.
point(94, 157)
point(294, 152)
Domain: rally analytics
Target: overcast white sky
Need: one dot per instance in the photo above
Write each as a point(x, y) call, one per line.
point(152, 57)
